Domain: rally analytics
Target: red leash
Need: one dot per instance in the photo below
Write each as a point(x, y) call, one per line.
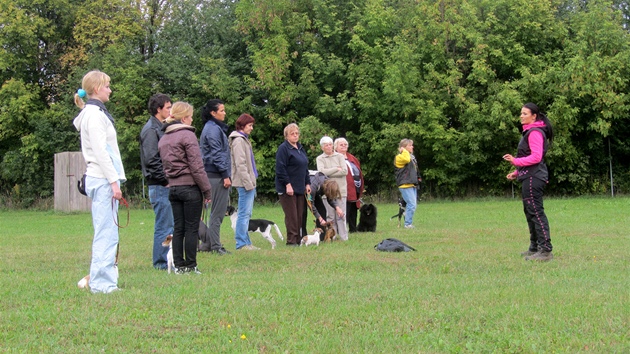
point(123, 201)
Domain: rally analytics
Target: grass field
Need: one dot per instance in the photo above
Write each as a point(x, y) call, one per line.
point(466, 289)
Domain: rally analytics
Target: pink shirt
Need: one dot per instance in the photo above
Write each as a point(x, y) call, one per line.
point(536, 145)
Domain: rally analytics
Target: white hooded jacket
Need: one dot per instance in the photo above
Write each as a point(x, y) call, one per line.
point(99, 144)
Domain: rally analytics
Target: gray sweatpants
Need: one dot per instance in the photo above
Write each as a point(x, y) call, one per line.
point(220, 198)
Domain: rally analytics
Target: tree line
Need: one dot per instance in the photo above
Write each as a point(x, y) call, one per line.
point(452, 75)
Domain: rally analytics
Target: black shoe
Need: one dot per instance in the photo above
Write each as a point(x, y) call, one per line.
point(221, 251)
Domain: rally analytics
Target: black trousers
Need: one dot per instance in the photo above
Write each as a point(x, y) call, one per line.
point(351, 215)
point(187, 203)
point(539, 236)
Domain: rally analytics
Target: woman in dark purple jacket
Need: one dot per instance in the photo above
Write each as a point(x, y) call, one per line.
point(292, 182)
point(531, 170)
point(188, 182)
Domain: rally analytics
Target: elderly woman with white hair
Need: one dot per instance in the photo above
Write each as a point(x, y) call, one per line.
point(333, 165)
point(355, 182)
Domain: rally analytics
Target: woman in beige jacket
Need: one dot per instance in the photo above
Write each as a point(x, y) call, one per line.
point(333, 165)
point(244, 174)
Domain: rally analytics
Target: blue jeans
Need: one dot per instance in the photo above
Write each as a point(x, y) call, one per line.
point(409, 195)
point(158, 195)
point(187, 203)
point(103, 269)
point(245, 207)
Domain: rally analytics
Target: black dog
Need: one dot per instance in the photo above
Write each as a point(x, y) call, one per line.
point(367, 221)
point(402, 207)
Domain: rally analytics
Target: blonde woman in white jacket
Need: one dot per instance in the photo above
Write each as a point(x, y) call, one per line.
point(105, 173)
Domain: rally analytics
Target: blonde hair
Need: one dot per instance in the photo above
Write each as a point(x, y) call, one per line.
point(179, 111)
point(91, 82)
point(331, 189)
point(290, 128)
point(340, 140)
point(405, 143)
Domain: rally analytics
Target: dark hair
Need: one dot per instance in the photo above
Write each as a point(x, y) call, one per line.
point(243, 120)
point(211, 106)
point(158, 101)
point(540, 116)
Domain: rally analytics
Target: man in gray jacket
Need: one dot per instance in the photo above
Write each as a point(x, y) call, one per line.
point(160, 109)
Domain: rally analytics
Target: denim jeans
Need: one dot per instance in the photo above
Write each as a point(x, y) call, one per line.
point(245, 207)
point(158, 195)
point(103, 269)
point(187, 203)
point(409, 195)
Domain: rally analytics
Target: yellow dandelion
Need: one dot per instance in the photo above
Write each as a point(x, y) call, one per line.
point(243, 337)
point(229, 326)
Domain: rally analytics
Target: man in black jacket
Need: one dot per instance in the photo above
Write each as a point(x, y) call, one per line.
point(153, 173)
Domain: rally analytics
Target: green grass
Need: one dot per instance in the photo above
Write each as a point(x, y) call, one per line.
point(466, 289)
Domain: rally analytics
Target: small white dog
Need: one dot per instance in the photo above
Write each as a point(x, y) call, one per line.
point(170, 264)
point(312, 239)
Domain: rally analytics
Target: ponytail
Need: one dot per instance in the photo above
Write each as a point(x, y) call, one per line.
point(540, 116)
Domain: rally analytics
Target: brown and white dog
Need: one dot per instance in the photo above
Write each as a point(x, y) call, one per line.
point(312, 239)
point(170, 264)
point(84, 283)
point(329, 232)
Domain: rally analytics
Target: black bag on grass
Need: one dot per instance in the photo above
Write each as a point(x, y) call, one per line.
point(393, 245)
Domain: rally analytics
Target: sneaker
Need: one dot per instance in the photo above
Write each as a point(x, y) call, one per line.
point(528, 253)
point(540, 256)
point(409, 227)
point(249, 248)
point(182, 270)
point(194, 270)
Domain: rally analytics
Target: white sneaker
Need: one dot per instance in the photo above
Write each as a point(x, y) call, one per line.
point(249, 248)
point(409, 227)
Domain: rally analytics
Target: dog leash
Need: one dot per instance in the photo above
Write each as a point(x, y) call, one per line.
point(123, 201)
point(116, 221)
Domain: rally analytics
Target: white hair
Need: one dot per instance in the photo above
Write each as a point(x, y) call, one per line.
point(325, 140)
point(340, 140)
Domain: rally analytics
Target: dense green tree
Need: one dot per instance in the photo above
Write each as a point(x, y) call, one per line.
point(452, 75)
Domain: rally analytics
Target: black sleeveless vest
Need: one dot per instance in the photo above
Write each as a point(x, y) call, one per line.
point(408, 174)
point(538, 170)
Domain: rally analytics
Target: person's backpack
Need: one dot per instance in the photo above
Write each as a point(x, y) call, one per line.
point(393, 245)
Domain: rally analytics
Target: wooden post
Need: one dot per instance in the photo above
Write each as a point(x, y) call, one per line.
point(69, 168)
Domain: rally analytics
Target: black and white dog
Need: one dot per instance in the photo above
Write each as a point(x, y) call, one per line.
point(367, 221)
point(256, 225)
point(402, 208)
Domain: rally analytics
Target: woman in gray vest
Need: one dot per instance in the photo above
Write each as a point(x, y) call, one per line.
point(531, 170)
